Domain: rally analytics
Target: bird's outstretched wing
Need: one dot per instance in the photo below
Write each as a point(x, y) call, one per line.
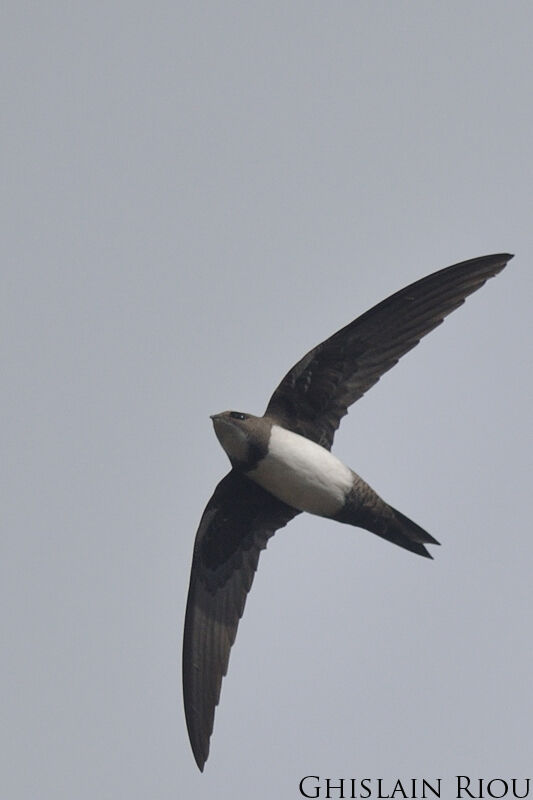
point(316, 393)
point(236, 525)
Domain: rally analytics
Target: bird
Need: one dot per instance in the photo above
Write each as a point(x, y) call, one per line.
point(282, 465)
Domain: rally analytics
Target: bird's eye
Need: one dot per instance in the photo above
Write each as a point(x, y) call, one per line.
point(237, 415)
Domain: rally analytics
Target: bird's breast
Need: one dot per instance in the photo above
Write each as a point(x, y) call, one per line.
point(302, 474)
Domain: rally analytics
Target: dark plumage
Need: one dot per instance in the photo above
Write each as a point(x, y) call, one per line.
point(264, 452)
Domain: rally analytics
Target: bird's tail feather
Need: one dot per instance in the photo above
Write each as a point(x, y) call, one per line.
point(402, 531)
point(365, 509)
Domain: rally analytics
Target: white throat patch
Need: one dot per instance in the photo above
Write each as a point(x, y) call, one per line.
point(303, 474)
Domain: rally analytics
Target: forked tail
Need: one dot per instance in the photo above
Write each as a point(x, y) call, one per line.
point(406, 533)
point(367, 510)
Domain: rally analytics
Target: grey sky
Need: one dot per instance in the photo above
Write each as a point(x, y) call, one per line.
point(195, 194)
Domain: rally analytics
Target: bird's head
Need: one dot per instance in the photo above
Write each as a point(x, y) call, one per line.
point(237, 433)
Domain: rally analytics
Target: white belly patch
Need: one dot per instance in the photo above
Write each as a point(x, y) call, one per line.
point(303, 474)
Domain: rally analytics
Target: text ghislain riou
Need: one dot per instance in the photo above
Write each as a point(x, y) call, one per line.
point(462, 786)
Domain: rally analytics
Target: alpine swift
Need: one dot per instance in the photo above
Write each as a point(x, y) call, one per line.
point(281, 464)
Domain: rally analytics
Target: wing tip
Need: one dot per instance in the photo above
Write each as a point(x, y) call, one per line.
point(498, 261)
point(199, 745)
point(200, 761)
point(494, 262)
point(503, 258)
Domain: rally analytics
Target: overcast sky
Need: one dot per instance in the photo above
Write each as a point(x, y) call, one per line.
point(194, 194)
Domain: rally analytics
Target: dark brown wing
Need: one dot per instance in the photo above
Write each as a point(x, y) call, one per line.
point(236, 525)
point(316, 393)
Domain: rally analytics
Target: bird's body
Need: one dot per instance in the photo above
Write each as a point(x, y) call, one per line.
point(282, 465)
point(306, 477)
point(294, 469)
point(303, 474)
